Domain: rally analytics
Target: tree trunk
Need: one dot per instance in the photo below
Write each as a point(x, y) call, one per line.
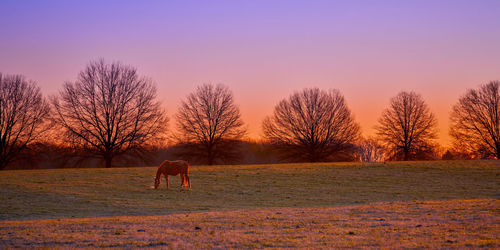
point(108, 158)
point(3, 157)
point(406, 154)
point(210, 157)
point(312, 154)
point(3, 164)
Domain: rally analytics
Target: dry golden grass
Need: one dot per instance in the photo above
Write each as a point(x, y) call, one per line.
point(436, 224)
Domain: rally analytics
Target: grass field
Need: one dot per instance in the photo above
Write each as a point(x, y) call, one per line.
point(448, 224)
point(289, 188)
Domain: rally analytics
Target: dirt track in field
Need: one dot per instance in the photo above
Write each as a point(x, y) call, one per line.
point(449, 224)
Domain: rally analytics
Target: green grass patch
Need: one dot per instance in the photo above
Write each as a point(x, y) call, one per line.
point(59, 193)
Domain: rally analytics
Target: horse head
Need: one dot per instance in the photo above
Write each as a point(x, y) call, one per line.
point(157, 182)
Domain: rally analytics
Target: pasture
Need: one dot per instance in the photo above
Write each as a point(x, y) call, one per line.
point(326, 190)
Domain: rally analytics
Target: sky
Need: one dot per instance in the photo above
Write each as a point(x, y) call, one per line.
point(265, 50)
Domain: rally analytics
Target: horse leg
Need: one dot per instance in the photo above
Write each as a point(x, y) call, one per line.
point(168, 184)
point(182, 180)
point(188, 181)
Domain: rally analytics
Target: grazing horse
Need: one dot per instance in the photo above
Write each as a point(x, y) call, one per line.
point(173, 168)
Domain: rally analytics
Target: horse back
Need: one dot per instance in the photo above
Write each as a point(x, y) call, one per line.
point(175, 167)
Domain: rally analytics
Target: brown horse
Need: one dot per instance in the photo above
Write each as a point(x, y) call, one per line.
point(173, 168)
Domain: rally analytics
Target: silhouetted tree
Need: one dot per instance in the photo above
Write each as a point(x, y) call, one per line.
point(448, 155)
point(109, 110)
point(369, 150)
point(475, 122)
point(407, 128)
point(22, 113)
point(312, 125)
point(209, 125)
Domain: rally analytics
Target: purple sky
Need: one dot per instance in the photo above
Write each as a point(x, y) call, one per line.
point(265, 50)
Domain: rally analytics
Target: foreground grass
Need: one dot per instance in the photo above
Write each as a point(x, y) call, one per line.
point(60, 193)
point(437, 224)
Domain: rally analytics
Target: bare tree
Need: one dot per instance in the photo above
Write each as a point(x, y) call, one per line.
point(312, 125)
point(109, 110)
point(22, 113)
point(369, 150)
point(475, 122)
point(407, 128)
point(209, 125)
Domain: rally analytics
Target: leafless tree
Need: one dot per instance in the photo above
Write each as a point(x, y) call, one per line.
point(22, 113)
point(312, 125)
point(475, 122)
point(209, 125)
point(407, 128)
point(109, 110)
point(369, 150)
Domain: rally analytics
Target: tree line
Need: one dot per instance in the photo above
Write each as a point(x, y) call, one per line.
point(111, 111)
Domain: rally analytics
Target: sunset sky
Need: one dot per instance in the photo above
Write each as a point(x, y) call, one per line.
point(265, 50)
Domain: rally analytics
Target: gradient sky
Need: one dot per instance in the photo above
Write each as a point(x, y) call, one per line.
point(265, 50)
